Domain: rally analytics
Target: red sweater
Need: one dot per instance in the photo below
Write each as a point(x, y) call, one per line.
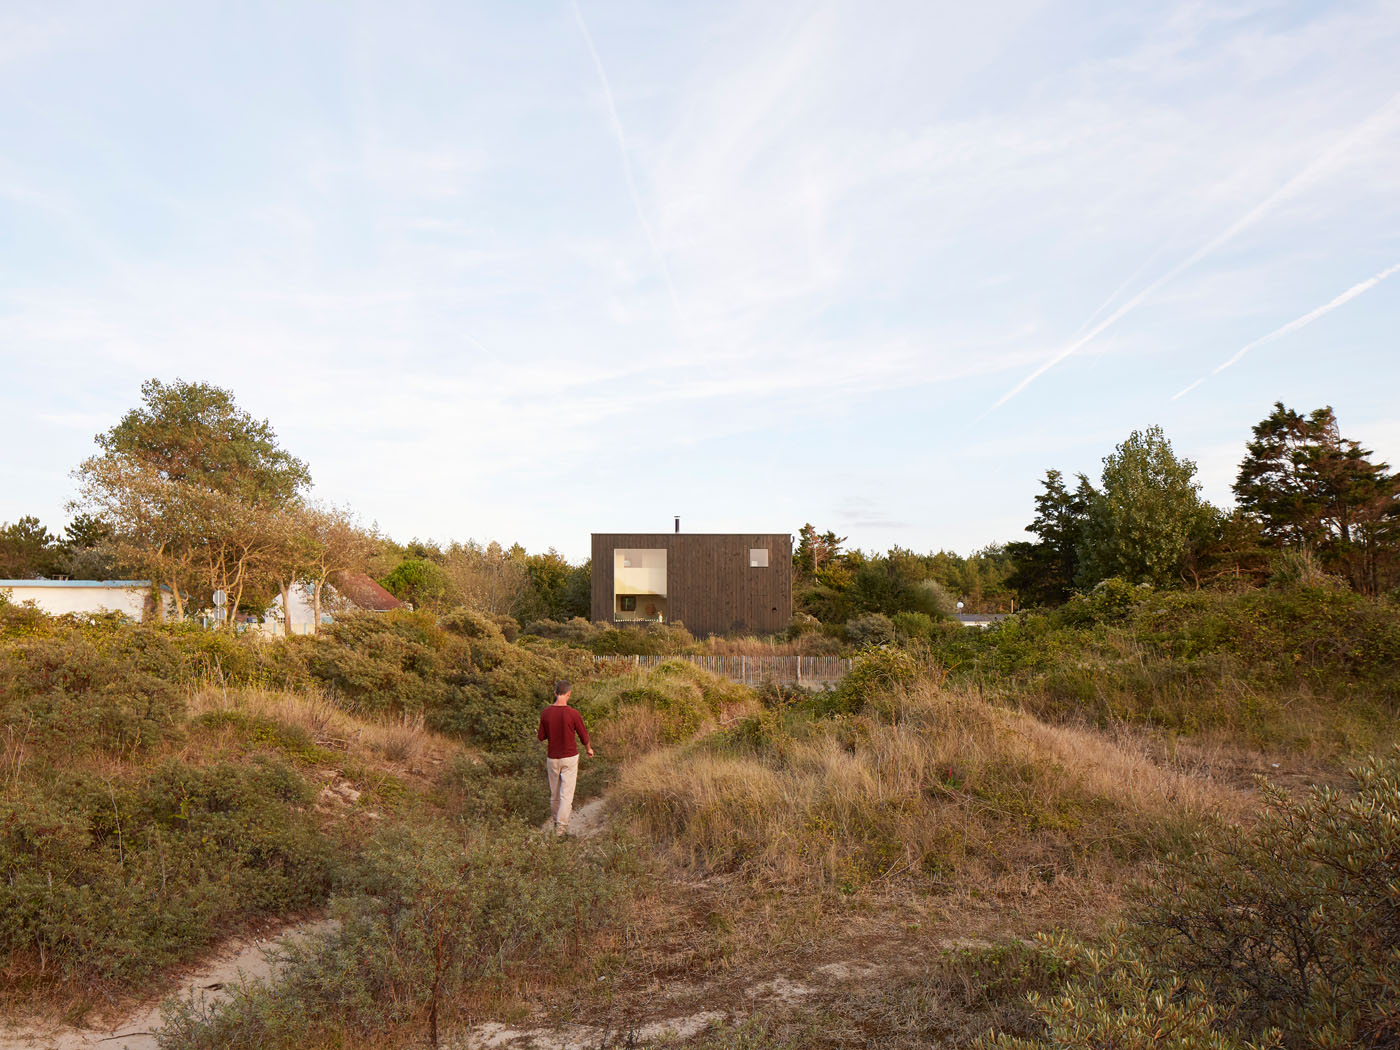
point(558, 725)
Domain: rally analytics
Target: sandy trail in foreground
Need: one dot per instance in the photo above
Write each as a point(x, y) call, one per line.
point(241, 959)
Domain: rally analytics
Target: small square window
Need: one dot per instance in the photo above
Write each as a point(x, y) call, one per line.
point(758, 557)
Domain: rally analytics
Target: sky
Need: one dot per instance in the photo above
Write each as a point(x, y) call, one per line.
point(529, 270)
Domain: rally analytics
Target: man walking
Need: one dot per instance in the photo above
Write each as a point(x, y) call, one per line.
point(559, 723)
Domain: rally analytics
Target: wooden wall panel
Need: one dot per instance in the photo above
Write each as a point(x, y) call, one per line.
point(711, 588)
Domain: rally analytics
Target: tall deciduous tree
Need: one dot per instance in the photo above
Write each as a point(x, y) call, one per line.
point(154, 523)
point(1308, 486)
point(195, 433)
point(490, 579)
point(338, 544)
point(1142, 524)
point(197, 491)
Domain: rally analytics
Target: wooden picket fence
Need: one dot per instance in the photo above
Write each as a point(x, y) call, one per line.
point(803, 670)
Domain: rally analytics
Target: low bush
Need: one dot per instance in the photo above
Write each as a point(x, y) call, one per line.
point(498, 787)
point(1194, 662)
point(62, 696)
point(460, 674)
point(1285, 934)
point(603, 639)
point(636, 712)
point(1119, 1001)
point(875, 674)
point(913, 625)
point(870, 630)
point(435, 913)
point(110, 880)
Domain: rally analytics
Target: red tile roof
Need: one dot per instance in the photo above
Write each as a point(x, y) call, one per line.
point(365, 593)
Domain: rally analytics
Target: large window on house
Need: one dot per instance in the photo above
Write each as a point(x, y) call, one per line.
point(639, 584)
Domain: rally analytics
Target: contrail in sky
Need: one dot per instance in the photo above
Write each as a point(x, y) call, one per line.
point(1317, 168)
point(1127, 283)
point(621, 136)
point(1292, 326)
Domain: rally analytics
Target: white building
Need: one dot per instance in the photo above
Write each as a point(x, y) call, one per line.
point(58, 597)
point(303, 611)
point(350, 592)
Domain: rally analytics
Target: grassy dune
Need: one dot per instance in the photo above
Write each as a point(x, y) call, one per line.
point(938, 789)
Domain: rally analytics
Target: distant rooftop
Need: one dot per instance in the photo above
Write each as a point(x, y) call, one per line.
point(74, 583)
point(364, 592)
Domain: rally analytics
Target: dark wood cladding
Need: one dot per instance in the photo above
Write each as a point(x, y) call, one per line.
point(710, 586)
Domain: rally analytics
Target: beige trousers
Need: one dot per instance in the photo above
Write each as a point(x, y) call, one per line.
point(563, 775)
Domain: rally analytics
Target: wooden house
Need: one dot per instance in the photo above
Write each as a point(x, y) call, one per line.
point(714, 583)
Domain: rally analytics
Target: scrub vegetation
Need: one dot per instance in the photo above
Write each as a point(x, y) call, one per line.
point(1156, 806)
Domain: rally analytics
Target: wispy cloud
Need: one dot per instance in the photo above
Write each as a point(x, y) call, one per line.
point(1317, 169)
point(616, 122)
point(839, 232)
point(1308, 318)
point(863, 512)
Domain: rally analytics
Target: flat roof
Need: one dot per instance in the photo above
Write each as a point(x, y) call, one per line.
point(729, 534)
point(74, 583)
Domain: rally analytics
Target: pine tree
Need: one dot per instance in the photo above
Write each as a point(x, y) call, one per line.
point(1309, 487)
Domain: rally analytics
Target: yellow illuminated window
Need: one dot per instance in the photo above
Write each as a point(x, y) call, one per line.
point(639, 584)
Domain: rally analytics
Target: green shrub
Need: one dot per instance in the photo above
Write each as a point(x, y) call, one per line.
point(1111, 601)
point(64, 696)
point(461, 674)
point(1194, 661)
point(112, 880)
point(472, 624)
point(434, 911)
point(1296, 923)
point(1119, 1002)
point(1285, 934)
point(871, 629)
point(498, 787)
point(578, 631)
point(392, 664)
point(913, 625)
point(510, 627)
point(654, 639)
point(875, 673)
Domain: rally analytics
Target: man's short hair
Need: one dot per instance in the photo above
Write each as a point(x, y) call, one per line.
point(562, 687)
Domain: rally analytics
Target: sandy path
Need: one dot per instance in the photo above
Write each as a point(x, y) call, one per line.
point(823, 980)
point(241, 959)
point(585, 821)
point(589, 819)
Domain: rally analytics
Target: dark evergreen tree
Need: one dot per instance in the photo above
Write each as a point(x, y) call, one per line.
point(1044, 572)
point(1309, 487)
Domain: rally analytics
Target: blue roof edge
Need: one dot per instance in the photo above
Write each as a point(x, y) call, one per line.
point(75, 583)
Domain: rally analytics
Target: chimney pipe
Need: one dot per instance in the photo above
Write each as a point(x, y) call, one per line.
point(678, 523)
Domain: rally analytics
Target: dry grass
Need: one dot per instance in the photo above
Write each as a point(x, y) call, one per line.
point(400, 742)
point(812, 644)
point(943, 788)
point(636, 712)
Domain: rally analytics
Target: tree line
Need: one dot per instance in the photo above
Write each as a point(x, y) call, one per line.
point(836, 585)
point(192, 492)
point(1309, 501)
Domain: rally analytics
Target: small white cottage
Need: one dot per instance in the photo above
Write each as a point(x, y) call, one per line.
point(56, 597)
